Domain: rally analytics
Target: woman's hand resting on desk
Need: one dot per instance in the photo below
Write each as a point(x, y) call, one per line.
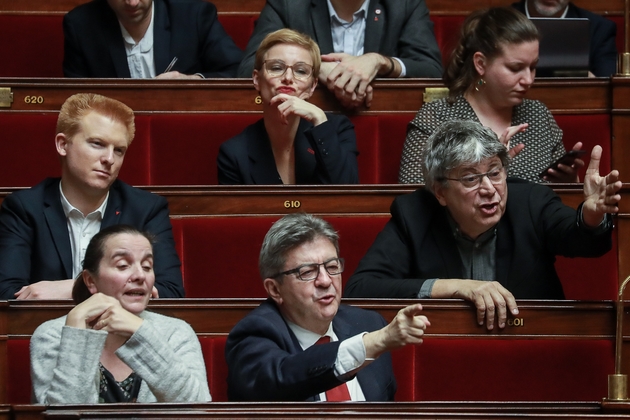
point(291, 105)
point(102, 312)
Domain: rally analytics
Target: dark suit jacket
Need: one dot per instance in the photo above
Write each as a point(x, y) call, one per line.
point(400, 29)
point(186, 29)
point(418, 244)
point(603, 32)
point(35, 244)
point(326, 154)
point(266, 362)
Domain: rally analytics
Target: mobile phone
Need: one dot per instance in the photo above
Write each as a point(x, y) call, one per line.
point(567, 159)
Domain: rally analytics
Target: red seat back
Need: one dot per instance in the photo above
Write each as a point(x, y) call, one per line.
point(220, 254)
point(27, 141)
point(591, 130)
point(620, 39)
point(446, 29)
point(392, 135)
point(18, 378)
point(238, 26)
point(512, 370)
point(213, 349)
point(367, 135)
point(32, 45)
point(184, 147)
point(135, 168)
point(590, 278)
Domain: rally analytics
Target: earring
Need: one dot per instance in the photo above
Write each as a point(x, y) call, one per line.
point(480, 84)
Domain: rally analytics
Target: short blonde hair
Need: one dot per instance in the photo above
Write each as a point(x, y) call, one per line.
point(289, 36)
point(79, 105)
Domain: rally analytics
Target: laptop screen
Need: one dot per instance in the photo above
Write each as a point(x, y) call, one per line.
point(564, 47)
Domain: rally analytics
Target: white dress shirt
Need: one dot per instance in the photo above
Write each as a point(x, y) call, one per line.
point(564, 14)
point(81, 229)
point(350, 356)
point(349, 37)
point(140, 55)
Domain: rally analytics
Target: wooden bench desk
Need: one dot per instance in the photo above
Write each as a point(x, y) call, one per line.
point(268, 410)
point(561, 96)
point(552, 333)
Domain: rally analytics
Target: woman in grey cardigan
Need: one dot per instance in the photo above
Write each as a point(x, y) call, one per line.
point(109, 348)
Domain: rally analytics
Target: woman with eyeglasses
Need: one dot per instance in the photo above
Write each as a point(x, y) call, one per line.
point(295, 142)
point(488, 74)
point(109, 348)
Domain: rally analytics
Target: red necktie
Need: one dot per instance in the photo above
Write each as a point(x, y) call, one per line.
point(338, 393)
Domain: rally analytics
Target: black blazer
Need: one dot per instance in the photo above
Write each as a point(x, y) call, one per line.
point(603, 32)
point(266, 362)
point(418, 244)
point(326, 154)
point(395, 28)
point(35, 244)
point(186, 29)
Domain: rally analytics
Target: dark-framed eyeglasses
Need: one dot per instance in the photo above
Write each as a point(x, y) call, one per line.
point(277, 68)
point(308, 272)
point(473, 181)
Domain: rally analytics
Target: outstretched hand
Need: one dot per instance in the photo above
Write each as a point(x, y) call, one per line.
point(600, 192)
point(407, 327)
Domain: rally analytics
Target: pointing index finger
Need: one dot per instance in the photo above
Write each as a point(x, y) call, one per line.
point(412, 310)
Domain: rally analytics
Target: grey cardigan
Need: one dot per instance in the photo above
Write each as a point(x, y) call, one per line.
point(164, 351)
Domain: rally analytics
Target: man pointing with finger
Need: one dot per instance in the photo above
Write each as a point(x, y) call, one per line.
point(301, 344)
point(460, 237)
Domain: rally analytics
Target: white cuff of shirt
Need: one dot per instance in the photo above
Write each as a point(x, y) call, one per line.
point(403, 69)
point(351, 355)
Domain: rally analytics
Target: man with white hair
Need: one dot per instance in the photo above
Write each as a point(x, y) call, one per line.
point(461, 237)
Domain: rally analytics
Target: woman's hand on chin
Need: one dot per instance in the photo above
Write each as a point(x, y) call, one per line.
point(102, 312)
point(291, 105)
